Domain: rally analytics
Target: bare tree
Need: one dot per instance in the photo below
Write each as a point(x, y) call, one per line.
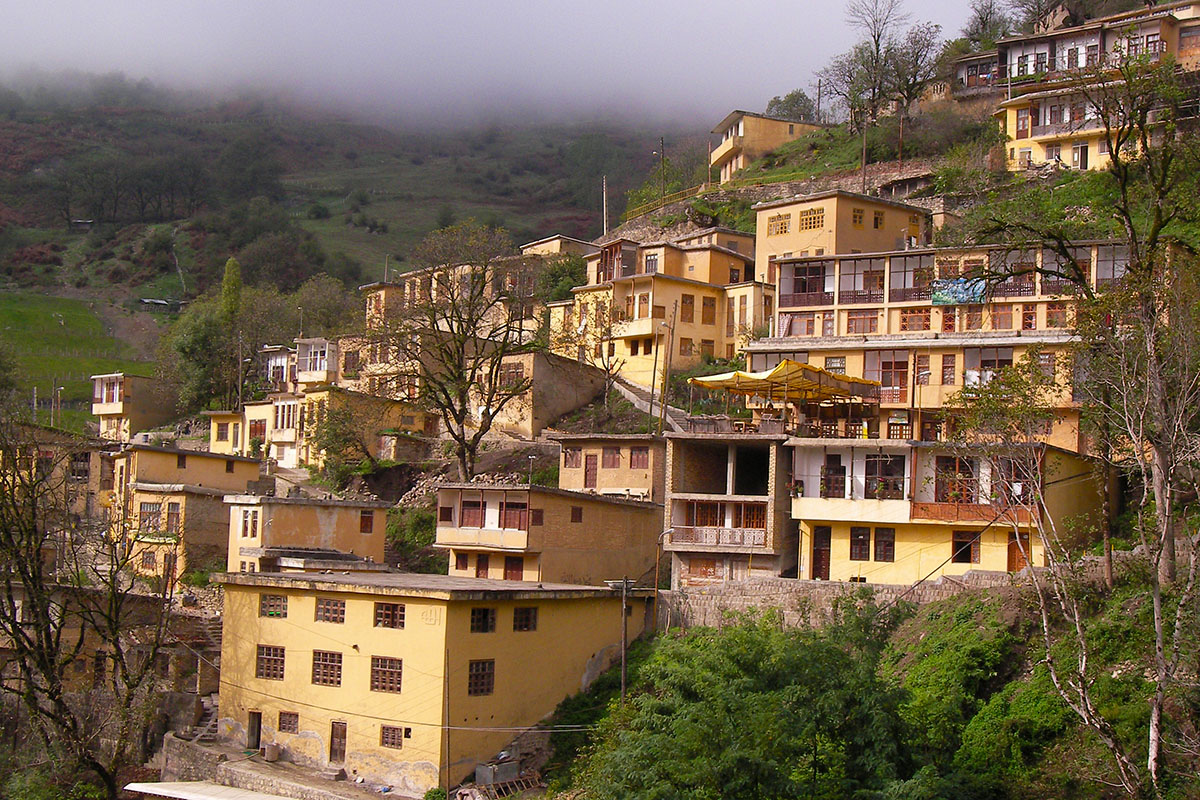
point(452, 339)
point(588, 333)
point(1031, 13)
point(877, 22)
point(989, 21)
point(68, 603)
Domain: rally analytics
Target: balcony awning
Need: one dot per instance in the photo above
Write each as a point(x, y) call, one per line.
point(792, 381)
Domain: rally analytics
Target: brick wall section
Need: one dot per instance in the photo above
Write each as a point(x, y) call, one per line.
point(807, 603)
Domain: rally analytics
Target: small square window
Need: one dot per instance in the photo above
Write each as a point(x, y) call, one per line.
point(366, 521)
point(272, 605)
point(229, 466)
point(966, 547)
point(860, 544)
point(330, 610)
point(269, 663)
point(386, 674)
point(393, 736)
point(445, 513)
point(289, 722)
point(389, 615)
point(460, 562)
point(481, 677)
point(180, 461)
point(483, 620)
point(525, 619)
point(576, 513)
point(326, 668)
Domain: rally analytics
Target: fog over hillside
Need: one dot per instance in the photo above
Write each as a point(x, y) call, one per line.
point(459, 60)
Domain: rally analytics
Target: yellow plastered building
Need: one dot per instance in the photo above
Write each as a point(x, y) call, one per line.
point(268, 534)
point(540, 534)
point(632, 466)
point(128, 404)
point(833, 222)
point(747, 137)
point(402, 679)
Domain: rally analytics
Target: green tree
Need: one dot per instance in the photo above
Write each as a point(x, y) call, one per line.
point(795, 105)
point(249, 167)
point(231, 291)
point(559, 276)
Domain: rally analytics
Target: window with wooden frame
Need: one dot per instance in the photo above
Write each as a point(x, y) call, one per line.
point(326, 668)
point(483, 620)
point(860, 544)
point(525, 618)
point(460, 562)
point(610, 458)
point(857, 217)
point(572, 457)
point(1046, 364)
point(708, 311)
point(974, 318)
point(149, 559)
point(222, 431)
point(862, 321)
point(779, 224)
point(272, 605)
point(393, 736)
point(811, 219)
point(1056, 315)
point(537, 516)
point(150, 516)
point(915, 319)
point(481, 677)
point(1002, 317)
point(289, 722)
point(949, 369)
point(330, 609)
point(249, 522)
point(268, 663)
point(965, 547)
point(1029, 318)
point(639, 458)
point(687, 307)
point(922, 370)
point(948, 320)
point(685, 346)
point(878, 221)
point(366, 521)
point(835, 364)
point(391, 615)
point(472, 514)
point(885, 544)
point(445, 514)
point(386, 674)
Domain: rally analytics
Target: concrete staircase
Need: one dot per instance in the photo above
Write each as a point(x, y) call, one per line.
point(207, 724)
point(639, 396)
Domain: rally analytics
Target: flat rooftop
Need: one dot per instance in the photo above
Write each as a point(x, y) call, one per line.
point(446, 587)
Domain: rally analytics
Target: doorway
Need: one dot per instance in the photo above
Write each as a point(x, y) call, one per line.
point(1018, 552)
point(254, 731)
point(822, 544)
point(589, 472)
point(337, 742)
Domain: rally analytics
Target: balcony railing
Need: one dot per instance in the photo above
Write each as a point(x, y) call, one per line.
point(1065, 128)
point(885, 487)
point(899, 430)
point(805, 299)
point(970, 512)
point(853, 296)
point(1057, 287)
point(839, 429)
point(1015, 288)
point(719, 537)
point(893, 394)
point(909, 293)
point(833, 484)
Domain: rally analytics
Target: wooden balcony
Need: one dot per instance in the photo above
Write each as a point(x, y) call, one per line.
point(719, 537)
point(859, 296)
point(805, 299)
point(971, 512)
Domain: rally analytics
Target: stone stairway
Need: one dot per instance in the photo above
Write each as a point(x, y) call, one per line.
point(675, 418)
point(207, 724)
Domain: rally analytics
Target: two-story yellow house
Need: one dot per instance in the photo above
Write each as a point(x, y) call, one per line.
point(520, 532)
point(165, 508)
point(407, 680)
point(746, 137)
point(631, 465)
point(128, 404)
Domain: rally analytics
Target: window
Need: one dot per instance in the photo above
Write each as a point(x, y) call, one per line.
point(149, 559)
point(327, 668)
point(706, 348)
point(258, 430)
point(779, 224)
point(269, 663)
point(222, 431)
point(812, 219)
point(483, 620)
point(878, 220)
point(386, 673)
point(862, 321)
point(229, 466)
point(289, 722)
point(1054, 152)
point(949, 369)
point(857, 216)
point(366, 521)
point(885, 477)
point(445, 514)
point(836, 364)
point(651, 262)
point(639, 458)
point(180, 461)
point(974, 318)
point(966, 547)
point(472, 514)
point(1002, 317)
point(611, 458)
point(708, 311)
point(1056, 315)
point(393, 736)
point(914, 319)
point(687, 308)
point(735, 275)
point(460, 562)
point(150, 516)
point(272, 605)
point(536, 516)
point(860, 544)
point(922, 370)
point(948, 318)
point(173, 518)
point(576, 513)
point(481, 677)
point(525, 619)
point(572, 457)
point(1046, 364)
point(330, 610)
point(633, 347)
point(685, 346)
point(249, 522)
point(885, 544)
point(391, 615)
point(1029, 318)
point(481, 565)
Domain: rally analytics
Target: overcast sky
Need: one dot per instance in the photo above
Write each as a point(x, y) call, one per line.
point(656, 59)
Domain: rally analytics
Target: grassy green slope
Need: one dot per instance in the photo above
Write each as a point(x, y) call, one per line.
point(60, 342)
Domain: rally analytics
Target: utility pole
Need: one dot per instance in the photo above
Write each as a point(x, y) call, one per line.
point(818, 100)
point(662, 170)
point(624, 632)
point(662, 405)
point(604, 191)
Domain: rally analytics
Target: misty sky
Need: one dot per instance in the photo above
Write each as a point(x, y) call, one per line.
point(662, 60)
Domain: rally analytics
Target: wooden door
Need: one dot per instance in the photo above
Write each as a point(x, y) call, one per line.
point(589, 472)
point(514, 568)
point(254, 731)
point(337, 742)
point(822, 535)
point(481, 565)
point(1018, 552)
